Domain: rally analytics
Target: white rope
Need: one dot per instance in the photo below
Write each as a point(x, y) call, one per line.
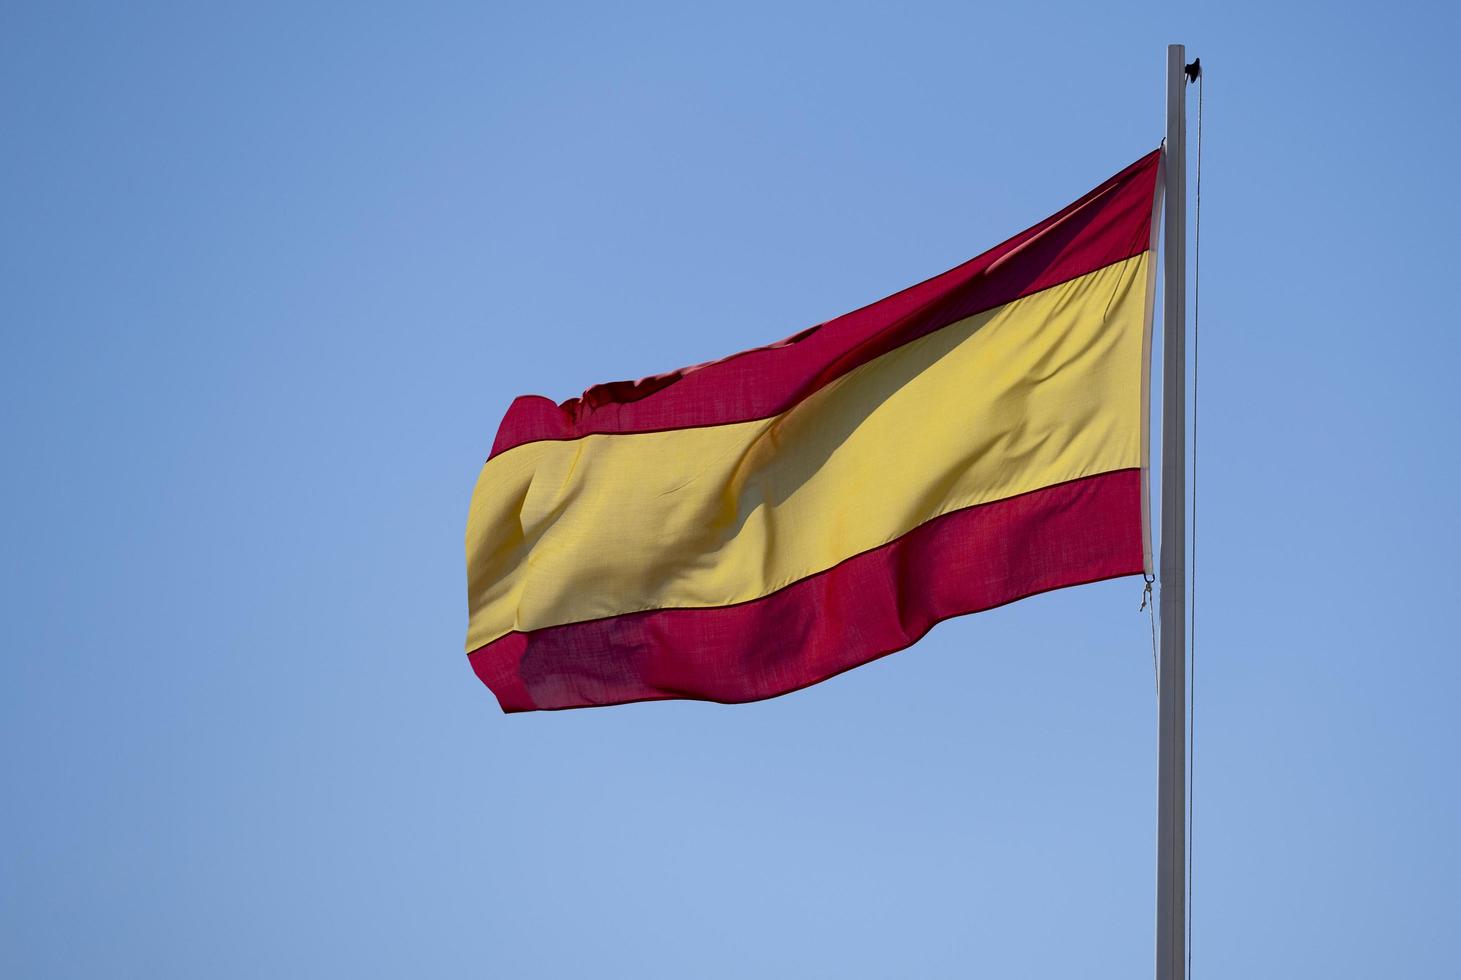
point(1192, 594)
point(1150, 606)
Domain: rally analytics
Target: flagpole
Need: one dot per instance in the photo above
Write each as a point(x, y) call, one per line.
point(1172, 564)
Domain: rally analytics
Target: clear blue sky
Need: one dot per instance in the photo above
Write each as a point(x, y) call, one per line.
point(270, 275)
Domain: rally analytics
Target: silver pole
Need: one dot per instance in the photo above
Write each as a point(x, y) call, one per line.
point(1172, 566)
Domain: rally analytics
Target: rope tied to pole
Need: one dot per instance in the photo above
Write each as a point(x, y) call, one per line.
point(1150, 606)
point(1194, 74)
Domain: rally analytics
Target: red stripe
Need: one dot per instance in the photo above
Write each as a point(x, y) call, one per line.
point(868, 606)
point(1110, 224)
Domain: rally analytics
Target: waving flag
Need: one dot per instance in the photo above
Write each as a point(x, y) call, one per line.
point(747, 527)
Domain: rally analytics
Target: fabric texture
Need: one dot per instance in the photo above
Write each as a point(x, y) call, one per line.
point(745, 528)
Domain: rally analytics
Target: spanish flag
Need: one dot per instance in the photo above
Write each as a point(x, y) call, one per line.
point(743, 528)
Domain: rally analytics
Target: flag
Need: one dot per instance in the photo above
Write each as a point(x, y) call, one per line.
point(746, 527)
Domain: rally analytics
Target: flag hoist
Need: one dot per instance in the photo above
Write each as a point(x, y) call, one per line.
point(746, 527)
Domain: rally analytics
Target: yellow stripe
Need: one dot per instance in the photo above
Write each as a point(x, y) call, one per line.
point(1044, 389)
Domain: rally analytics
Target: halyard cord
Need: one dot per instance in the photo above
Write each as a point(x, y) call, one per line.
point(1192, 594)
point(1151, 613)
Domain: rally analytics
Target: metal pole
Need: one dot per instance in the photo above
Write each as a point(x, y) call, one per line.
point(1172, 565)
